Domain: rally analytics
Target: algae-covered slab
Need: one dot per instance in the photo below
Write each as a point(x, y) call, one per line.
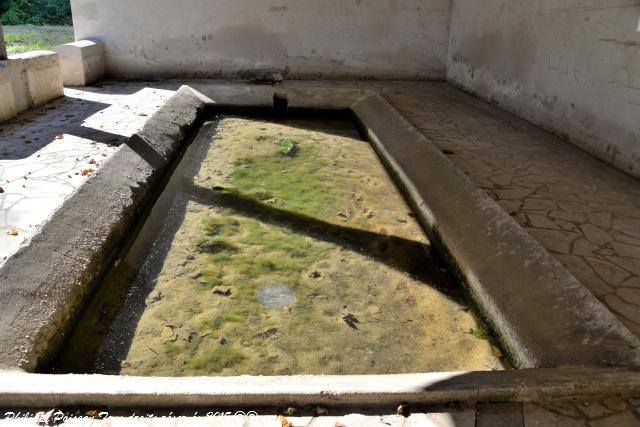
point(295, 254)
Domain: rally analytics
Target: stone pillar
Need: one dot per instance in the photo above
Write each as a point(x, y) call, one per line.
point(3, 46)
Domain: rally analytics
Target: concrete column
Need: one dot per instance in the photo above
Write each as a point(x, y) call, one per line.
point(3, 46)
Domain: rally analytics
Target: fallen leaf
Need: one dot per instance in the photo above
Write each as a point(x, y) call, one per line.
point(321, 410)
point(496, 351)
point(87, 172)
point(12, 232)
point(142, 114)
point(94, 413)
point(61, 136)
point(92, 162)
point(403, 410)
point(1, 190)
point(284, 422)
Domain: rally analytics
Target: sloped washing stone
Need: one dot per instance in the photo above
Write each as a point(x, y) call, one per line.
point(45, 283)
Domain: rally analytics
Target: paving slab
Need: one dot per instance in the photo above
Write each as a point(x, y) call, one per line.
point(532, 173)
point(83, 238)
point(499, 414)
point(538, 414)
point(514, 161)
point(505, 270)
point(48, 153)
point(230, 94)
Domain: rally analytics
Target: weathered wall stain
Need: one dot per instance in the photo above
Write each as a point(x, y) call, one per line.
point(396, 39)
point(571, 66)
point(509, 54)
point(278, 8)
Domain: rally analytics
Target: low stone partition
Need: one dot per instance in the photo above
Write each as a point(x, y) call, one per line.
point(43, 286)
point(8, 105)
point(28, 80)
point(542, 316)
point(82, 62)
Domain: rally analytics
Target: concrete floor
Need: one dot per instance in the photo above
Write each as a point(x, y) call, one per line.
point(585, 212)
point(43, 153)
point(582, 210)
point(608, 412)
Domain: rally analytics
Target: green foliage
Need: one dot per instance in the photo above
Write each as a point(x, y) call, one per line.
point(480, 333)
point(288, 147)
point(214, 244)
point(24, 38)
point(299, 180)
point(37, 12)
point(217, 359)
point(263, 251)
point(220, 225)
point(215, 231)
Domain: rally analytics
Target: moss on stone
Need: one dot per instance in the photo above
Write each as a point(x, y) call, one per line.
point(298, 183)
point(217, 359)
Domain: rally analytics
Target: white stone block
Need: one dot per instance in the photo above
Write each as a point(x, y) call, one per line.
point(36, 78)
point(7, 100)
point(82, 62)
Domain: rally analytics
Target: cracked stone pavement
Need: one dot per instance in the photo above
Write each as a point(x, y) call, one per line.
point(46, 154)
point(584, 211)
point(605, 412)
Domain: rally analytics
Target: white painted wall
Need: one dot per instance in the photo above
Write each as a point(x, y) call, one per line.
point(571, 66)
point(402, 39)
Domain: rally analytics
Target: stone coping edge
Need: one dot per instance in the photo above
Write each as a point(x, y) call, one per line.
point(21, 390)
point(44, 285)
point(542, 315)
point(505, 270)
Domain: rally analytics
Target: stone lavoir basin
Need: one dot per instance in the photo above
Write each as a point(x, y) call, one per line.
point(278, 247)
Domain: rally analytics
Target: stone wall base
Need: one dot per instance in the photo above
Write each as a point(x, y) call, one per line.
point(29, 80)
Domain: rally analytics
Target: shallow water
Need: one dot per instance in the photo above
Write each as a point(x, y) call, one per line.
point(279, 248)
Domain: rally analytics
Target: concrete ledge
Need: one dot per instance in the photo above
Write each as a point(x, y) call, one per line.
point(28, 80)
point(39, 71)
point(19, 390)
point(244, 96)
point(8, 104)
point(542, 315)
point(82, 62)
point(261, 96)
point(323, 99)
point(45, 284)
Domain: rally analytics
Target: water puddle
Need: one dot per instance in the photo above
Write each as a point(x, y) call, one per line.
point(278, 248)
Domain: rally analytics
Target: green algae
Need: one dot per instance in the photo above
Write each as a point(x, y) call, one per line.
point(481, 334)
point(260, 252)
point(217, 359)
point(300, 183)
point(288, 147)
point(317, 214)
